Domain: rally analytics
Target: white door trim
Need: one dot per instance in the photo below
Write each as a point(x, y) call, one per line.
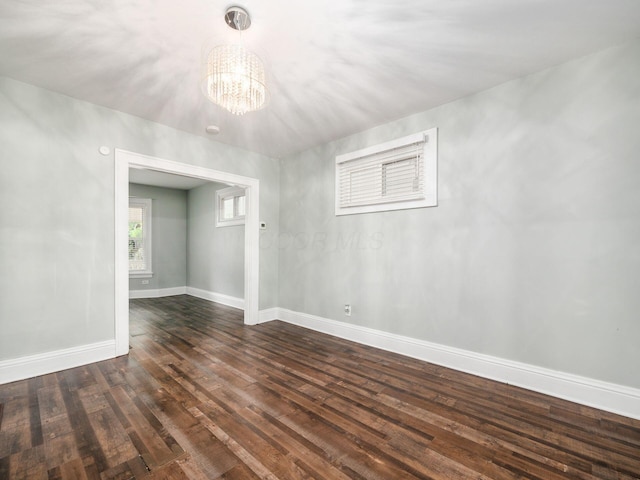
point(123, 161)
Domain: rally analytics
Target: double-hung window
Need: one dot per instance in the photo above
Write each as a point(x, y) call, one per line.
point(230, 206)
point(140, 237)
point(391, 176)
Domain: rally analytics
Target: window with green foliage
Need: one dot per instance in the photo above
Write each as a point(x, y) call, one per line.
point(140, 237)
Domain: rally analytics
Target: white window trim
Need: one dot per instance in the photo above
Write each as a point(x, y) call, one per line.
point(429, 140)
point(223, 194)
point(146, 203)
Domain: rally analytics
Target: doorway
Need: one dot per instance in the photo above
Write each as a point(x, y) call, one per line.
point(125, 160)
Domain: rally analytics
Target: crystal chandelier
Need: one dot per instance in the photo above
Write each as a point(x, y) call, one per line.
point(233, 76)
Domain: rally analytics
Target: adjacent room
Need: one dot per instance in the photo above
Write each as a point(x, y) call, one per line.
point(328, 240)
point(196, 244)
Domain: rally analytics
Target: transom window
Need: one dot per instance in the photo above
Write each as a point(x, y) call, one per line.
point(231, 206)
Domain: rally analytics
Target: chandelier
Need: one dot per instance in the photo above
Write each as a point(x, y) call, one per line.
point(233, 76)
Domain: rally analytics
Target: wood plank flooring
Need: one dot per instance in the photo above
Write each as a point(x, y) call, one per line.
point(201, 396)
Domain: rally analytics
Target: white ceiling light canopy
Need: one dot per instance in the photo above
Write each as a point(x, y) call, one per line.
point(234, 77)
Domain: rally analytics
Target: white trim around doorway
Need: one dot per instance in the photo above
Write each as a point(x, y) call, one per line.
point(125, 160)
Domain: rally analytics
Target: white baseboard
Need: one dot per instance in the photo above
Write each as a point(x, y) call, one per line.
point(196, 292)
point(157, 292)
point(41, 364)
point(586, 391)
point(216, 297)
point(269, 314)
point(44, 363)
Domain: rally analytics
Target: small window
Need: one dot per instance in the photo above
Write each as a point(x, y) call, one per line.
point(231, 206)
point(391, 176)
point(140, 237)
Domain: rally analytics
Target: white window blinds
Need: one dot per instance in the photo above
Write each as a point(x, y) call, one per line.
point(392, 173)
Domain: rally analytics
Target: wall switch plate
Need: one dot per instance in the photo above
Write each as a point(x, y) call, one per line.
point(347, 310)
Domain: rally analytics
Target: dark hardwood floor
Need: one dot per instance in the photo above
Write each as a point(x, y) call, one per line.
point(201, 396)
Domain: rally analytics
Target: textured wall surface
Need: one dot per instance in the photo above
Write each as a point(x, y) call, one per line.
point(533, 252)
point(57, 223)
point(169, 237)
point(215, 254)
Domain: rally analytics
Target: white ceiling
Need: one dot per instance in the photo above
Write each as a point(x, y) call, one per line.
point(156, 178)
point(334, 67)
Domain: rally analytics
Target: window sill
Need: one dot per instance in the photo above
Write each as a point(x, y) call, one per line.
point(230, 223)
point(141, 275)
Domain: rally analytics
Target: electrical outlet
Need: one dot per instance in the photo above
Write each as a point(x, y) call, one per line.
point(347, 310)
point(145, 282)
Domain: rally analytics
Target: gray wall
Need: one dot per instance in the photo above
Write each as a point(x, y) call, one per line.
point(215, 254)
point(533, 253)
point(57, 223)
point(169, 237)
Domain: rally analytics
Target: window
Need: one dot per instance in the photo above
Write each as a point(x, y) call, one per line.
point(395, 175)
point(140, 237)
point(231, 206)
